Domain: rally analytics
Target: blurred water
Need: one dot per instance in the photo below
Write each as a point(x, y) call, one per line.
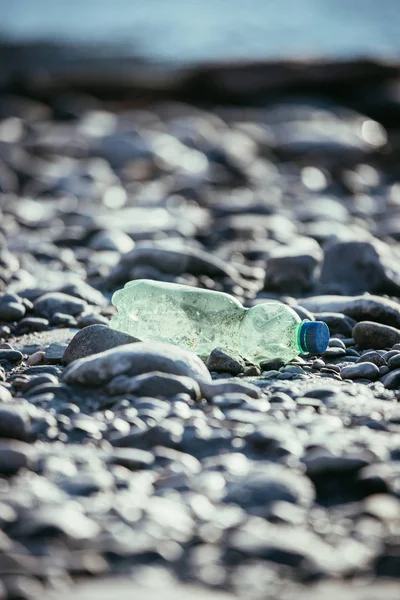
point(186, 31)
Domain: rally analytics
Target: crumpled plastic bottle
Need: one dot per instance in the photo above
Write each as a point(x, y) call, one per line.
point(201, 320)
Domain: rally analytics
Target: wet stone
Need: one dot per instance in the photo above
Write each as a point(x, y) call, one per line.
point(11, 356)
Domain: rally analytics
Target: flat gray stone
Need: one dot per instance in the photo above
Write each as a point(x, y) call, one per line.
point(367, 370)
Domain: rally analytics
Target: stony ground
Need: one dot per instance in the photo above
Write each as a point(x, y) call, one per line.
point(117, 457)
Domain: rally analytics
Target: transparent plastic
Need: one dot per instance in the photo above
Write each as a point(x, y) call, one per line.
point(201, 320)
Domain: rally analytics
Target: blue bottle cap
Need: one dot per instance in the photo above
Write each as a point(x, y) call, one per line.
point(313, 337)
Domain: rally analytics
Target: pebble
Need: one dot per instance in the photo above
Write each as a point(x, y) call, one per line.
point(391, 381)
point(365, 370)
point(372, 357)
point(11, 356)
point(221, 362)
point(93, 340)
point(15, 455)
point(14, 422)
point(368, 334)
point(394, 361)
point(58, 302)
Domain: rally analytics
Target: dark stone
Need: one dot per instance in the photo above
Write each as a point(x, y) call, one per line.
point(366, 370)
point(154, 385)
point(368, 334)
point(291, 273)
point(93, 340)
point(360, 308)
point(11, 356)
point(394, 361)
point(334, 353)
point(391, 381)
point(58, 302)
point(272, 365)
point(10, 309)
point(30, 324)
point(222, 362)
point(356, 267)
point(14, 423)
point(15, 455)
point(54, 353)
point(372, 357)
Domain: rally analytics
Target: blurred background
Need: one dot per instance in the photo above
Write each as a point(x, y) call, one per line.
point(185, 31)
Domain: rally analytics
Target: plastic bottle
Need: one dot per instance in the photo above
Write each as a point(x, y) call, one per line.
point(201, 320)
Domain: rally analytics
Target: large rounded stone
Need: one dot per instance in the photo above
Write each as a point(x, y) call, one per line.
point(135, 359)
point(94, 339)
point(354, 267)
point(368, 334)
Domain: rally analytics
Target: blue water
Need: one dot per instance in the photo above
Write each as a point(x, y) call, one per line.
point(187, 31)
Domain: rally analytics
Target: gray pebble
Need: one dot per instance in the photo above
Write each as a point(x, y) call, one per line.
point(93, 340)
point(391, 381)
point(366, 370)
point(368, 334)
point(372, 357)
point(58, 302)
point(15, 455)
point(222, 362)
point(14, 422)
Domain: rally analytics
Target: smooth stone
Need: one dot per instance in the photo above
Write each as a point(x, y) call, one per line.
point(58, 302)
point(372, 357)
point(85, 292)
point(11, 311)
point(15, 455)
point(394, 362)
point(368, 334)
point(93, 340)
point(355, 267)
point(135, 359)
point(14, 422)
point(11, 356)
point(222, 362)
point(333, 352)
point(366, 370)
point(391, 381)
point(32, 324)
point(230, 386)
point(360, 308)
point(272, 365)
point(154, 385)
point(336, 343)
